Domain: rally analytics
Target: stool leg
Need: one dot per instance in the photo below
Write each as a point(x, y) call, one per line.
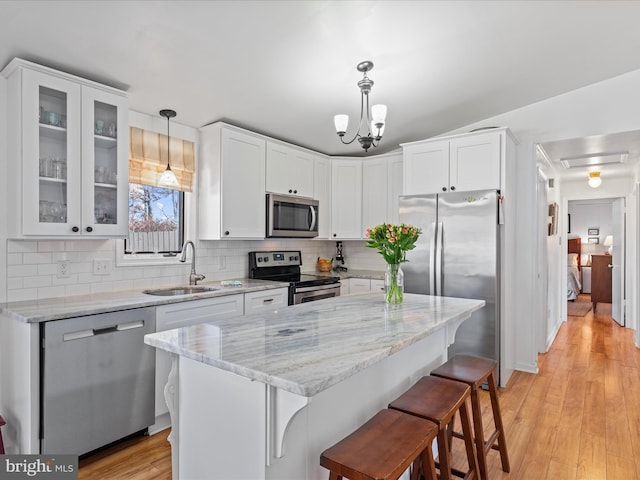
point(497, 418)
point(334, 476)
point(443, 454)
point(468, 442)
point(428, 465)
point(479, 434)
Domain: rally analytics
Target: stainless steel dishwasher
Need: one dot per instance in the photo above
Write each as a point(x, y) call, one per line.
point(97, 380)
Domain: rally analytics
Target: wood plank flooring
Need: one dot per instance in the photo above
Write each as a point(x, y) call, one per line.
point(578, 419)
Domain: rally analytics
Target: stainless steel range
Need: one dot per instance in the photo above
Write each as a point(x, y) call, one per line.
point(284, 266)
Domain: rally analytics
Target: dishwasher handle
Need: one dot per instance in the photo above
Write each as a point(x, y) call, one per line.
point(79, 334)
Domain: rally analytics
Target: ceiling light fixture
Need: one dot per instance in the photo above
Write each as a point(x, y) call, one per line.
point(371, 119)
point(594, 179)
point(168, 178)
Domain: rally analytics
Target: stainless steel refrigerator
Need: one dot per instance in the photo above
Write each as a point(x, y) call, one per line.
point(457, 255)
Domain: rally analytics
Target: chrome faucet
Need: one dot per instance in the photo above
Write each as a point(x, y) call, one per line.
point(193, 277)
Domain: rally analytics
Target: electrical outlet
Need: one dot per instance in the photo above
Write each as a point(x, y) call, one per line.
point(63, 269)
point(222, 262)
point(101, 267)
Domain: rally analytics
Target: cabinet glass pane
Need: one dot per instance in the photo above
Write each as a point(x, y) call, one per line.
point(106, 163)
point(52, 156)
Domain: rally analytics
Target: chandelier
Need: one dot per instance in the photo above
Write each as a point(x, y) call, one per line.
point(371, 119)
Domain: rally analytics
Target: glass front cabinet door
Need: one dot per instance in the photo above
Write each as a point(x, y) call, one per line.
point(74, 146)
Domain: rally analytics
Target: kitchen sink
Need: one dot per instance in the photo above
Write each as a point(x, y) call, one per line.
point(170, 292)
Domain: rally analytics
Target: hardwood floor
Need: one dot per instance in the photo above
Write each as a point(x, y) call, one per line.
point(578, 419)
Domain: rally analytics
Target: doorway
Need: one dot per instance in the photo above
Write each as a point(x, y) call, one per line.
point(600, 225)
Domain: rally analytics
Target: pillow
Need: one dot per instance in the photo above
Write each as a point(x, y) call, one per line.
point(572, 260)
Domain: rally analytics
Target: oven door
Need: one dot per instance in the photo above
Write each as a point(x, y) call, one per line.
point(311, 294)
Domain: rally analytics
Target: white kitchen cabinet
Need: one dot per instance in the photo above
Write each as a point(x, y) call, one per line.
point(231, 196)
point(344, 286)
point(289, 170)
point(322, 193)
point(381, 190)
point(359, 285)
point(346, 198)
point(71, 138)
point(266, 300)
point(377, 285)
point(459, 163)
point(184, 314)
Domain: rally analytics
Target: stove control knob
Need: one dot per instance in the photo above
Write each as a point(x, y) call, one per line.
point(296, 258)
point(259, 259)
point(266, 259)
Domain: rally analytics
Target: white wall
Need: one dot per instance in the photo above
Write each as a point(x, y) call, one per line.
point(590, 214)
point(3, 203)
point(607, 107)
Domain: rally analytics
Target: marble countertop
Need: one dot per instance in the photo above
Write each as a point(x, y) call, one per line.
point(35, 311)
point(307, 348)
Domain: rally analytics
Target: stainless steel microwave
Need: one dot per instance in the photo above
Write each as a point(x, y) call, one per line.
point(289, 216)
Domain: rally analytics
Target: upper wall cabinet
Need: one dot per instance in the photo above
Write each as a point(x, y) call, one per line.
point(71, 138)
point(231, 171)
point(461, 163)
point(289, 170)
point(381, 189)
point(322, 193)
point(346, 198)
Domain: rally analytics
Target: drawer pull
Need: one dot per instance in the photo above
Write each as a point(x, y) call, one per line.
point(267, 300)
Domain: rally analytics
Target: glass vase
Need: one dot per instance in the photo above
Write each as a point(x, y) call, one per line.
point(393, 284)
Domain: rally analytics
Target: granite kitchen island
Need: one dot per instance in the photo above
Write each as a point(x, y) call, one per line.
point(261, 396)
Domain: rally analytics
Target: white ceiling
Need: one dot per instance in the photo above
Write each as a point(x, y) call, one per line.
point(284, 68)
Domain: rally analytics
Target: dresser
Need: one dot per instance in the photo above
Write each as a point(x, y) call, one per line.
point(600, 279)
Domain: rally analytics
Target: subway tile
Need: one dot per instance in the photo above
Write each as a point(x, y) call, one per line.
point(22, 270)
point(70, 280)
point(14, 283)
point(14, 259)
point(22, 295)
point(22, 246)
point(48, 269)
point(35, 258)
point(123, 285)
point(78, 289)
point(37, 281)
point(51, 246)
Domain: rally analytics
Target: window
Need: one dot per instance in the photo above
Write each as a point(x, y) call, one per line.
point(156, 214)
point(156, 220)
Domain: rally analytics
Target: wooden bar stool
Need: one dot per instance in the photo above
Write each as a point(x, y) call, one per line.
point(2, 423)
point(474, 371)
point(383, 448)
point(438, 400)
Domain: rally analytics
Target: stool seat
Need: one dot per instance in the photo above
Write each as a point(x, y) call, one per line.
point(438, 400)
point(474, 371)
point(383, 448)
point(466, 368)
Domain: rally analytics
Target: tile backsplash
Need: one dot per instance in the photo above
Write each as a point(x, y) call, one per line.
point(39, 269)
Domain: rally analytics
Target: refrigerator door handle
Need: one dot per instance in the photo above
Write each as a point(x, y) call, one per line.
point(432, 258)
point(438, 260)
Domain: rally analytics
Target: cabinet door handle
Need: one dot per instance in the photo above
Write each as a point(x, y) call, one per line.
point(452, 188)
point(290, 191)
point(89, 229)
point(444, 189)
point(226, 232)
point(75, 229)
point(295, 191)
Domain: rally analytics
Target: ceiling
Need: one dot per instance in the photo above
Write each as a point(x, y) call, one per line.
point(284, 68)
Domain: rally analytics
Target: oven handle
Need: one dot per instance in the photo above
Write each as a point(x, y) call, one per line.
point(318, 287)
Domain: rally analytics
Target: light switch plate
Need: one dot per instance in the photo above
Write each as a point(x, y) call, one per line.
point(101, 267)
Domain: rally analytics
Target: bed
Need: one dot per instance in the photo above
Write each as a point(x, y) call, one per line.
point(574, 284)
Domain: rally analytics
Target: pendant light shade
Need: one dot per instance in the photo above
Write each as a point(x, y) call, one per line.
point(168, 178)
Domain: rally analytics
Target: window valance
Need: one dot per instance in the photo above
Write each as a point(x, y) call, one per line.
point(148, 158)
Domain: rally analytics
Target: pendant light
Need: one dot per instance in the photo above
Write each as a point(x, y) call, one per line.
point(371, 119)
point(168, 178)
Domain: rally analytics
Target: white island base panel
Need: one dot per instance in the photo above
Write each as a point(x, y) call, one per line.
point(228, 425)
